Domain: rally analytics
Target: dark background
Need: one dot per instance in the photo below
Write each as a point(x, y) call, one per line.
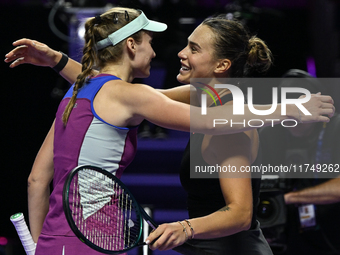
point(295, 30)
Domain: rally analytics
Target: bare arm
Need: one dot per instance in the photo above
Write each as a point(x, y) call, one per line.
point(321, 108)
point(236, 215)
point(29, 51)
point(181, 93)
point(324, 193)
point(228, 150)
point(36, 53)
point(162, 111)
point(39, 185)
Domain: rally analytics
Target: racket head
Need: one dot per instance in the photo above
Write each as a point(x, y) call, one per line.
point(101, 210)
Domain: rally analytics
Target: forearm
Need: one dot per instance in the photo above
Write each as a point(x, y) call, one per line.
point(38, 188)
point(227, 221)
point(180, 94)
point(222, 120)
point(325, 193)
point(71, 71)
point(38, 204)
point(219, 224)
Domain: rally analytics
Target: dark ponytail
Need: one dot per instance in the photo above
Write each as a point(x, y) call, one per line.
point(234, 43)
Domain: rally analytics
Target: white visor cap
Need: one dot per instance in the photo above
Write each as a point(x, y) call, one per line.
point(139, 23)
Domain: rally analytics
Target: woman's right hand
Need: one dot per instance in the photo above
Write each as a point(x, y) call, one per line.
point(29, 51)
point(321, 108)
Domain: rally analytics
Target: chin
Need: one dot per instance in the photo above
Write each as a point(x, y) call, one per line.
point(182, 79)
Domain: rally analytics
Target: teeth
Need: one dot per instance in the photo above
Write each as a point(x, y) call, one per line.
point(185, 68)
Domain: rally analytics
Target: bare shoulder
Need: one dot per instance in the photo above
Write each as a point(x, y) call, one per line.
point(122, 89)
point(134, 96)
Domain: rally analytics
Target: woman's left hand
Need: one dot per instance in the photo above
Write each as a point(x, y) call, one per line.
point(29, 51)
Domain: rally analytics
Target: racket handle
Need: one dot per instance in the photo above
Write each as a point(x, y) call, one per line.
point(188, 249)
point(24, 234)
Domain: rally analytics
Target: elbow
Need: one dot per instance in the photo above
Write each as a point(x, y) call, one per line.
point(34, 183)
point(246, 220)
point(30, 182)
point(246, 224)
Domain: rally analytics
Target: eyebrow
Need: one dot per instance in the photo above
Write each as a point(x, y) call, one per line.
point(195, 44)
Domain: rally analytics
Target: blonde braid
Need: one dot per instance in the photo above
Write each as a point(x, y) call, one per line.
point(97, 29)
point(87, 62)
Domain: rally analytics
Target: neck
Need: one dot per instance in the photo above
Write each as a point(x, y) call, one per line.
point(119, 70)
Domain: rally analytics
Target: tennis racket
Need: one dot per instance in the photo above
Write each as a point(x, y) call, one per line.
point(24, 234)
point(103, 213)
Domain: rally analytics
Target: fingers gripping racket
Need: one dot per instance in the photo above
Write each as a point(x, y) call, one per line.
point(103, 213)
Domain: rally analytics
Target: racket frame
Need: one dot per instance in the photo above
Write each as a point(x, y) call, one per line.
point(68, 213)
point(185, 248)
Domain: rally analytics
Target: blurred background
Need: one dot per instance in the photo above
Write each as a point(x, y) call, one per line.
point(302, 34)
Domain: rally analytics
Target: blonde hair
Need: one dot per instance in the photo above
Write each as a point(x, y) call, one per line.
point(96, 29)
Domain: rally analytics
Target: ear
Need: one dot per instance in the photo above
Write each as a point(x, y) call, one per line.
point(131, 45)
point(222, 66)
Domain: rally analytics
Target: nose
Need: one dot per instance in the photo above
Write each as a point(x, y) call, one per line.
point(182, 54)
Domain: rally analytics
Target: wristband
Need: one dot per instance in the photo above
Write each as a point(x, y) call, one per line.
point(62, 63)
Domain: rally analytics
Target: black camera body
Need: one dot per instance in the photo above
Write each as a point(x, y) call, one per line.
point(272, 212)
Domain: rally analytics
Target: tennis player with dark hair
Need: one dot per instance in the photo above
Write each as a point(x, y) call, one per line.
point(222, 210)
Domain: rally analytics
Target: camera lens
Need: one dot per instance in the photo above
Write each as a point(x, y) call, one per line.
point(266, 210)
point(271, 209)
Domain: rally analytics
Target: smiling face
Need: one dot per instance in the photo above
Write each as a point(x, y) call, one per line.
point(144, 55)
point(197, 58)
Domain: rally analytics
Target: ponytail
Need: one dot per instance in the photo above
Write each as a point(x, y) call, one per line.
point(260, 57)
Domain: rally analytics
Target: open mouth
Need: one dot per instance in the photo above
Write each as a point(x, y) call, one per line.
point(185, 68)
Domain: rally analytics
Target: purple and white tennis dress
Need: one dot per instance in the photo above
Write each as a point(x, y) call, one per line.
point(86, 139)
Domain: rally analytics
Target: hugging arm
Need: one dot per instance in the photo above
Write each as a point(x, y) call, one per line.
point(33, 52)
point(220, 119)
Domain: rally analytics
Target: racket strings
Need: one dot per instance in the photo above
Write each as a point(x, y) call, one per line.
point(110, 220)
